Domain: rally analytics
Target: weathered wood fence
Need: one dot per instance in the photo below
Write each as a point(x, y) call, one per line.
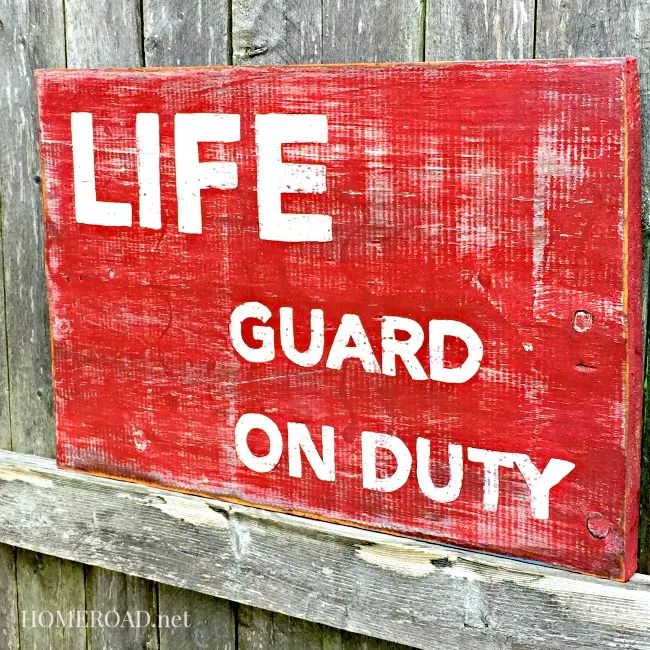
point(133, 33)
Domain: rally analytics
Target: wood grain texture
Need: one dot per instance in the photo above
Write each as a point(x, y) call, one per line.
point(479, 29)
point(259, 629)
point(372, 31)
point(103, 34)
point(110, 591)
point(419, 594)
point(486, 226)
point(603, 28)
point(9, 636)
point(277, 31)
point(49, 584)
point(266, 32)
point(177, 32)
point(190, 33)
point(211, 620)
point(31, 37)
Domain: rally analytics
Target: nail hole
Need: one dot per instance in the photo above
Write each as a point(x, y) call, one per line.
point(37, 179)
point(39, 392)
point(597, 525)
point(582, 321)
point(111, 273)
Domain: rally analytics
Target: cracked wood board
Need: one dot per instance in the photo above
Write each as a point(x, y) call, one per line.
point(446, 344)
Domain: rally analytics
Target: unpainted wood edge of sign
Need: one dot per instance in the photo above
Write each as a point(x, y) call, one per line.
point(421, 594)
point(632, 269)
point(40, 73)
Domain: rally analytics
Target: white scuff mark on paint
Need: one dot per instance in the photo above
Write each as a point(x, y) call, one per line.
point(558, 156)
point(528, 347)
point(192, 512)
point(61, 327)
point(24, 475)
point(139, 439)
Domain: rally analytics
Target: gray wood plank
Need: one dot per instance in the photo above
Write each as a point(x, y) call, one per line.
point(48, 585)
point(103, 34)
point(259, 629)
point(178, 32)
point(194, 621)
point(108, 591)
point(419, 594)
point(31, 37)
point(372, 31)
point(479, 29)
point(8, 599)
point(299, 31)
point(277, 31)
point(610, 28)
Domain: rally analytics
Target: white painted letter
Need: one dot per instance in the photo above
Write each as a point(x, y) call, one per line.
point(244, 426)
point(193, 176)
point(275, 177)
point(438, 329)
point(451, 491)
point(266, 352)
point(492, 460)
point(87, 208)
point(370, 442)
point(406, 350)
point(351, 328)
point(314, 353)
point(540, 484)
point(147, 137)
point(299, 438)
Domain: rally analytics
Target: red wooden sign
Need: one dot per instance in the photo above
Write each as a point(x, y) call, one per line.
point(405, 297)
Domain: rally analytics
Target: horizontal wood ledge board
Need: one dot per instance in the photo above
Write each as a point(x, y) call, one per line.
point(417, 593)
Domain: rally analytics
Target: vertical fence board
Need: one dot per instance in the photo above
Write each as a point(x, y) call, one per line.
point(610, 28)
point(372, 30)
point(111, 591)
point(480, 29)
point(31, 36)
point(177, 33)
point(297, 31)
point(277, 31)
point(8, 599)
point(47, 585)
point(104, 34)
point(262, 630)
point(211, 621)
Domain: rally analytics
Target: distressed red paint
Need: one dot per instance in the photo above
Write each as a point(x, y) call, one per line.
point(505, 196)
